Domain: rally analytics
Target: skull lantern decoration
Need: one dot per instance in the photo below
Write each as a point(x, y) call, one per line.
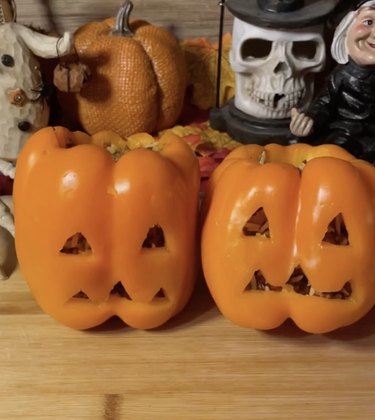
point(97, 237)
point(294, 239)
point(277, 48)
point(274, 68)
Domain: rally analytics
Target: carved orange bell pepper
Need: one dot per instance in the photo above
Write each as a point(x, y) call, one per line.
point(289, 232)
point(97, 238)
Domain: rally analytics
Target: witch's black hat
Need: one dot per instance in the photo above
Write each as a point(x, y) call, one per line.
point(358, 4)
point(283, 13)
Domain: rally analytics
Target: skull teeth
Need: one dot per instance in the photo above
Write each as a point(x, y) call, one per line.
point(275, 101)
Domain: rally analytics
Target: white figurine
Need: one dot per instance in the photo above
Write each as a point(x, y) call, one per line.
point(23, 106)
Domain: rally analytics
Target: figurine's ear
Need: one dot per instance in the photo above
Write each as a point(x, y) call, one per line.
point(7, 11)
point(43, 45)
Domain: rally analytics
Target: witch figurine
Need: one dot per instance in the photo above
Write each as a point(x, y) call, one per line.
point(344, 112)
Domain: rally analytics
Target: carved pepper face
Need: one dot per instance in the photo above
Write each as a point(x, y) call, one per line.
point(97, 238)
point(290, 232)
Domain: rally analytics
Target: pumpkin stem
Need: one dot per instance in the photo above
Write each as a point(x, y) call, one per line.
point(122, 27)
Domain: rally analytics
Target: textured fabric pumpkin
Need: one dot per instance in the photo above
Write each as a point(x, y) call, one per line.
point(97, 237)
point(290, 232)
point(138, 77)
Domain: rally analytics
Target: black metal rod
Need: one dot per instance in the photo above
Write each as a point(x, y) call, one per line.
point(220, 52)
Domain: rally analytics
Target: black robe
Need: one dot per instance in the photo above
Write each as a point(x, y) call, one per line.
point(344, 112)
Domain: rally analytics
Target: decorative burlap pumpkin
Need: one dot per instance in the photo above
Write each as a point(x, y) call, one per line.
point(138, 76)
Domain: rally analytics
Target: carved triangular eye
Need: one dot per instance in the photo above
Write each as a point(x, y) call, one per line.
point(257, 225)
point(76, 244)
point(337, 233)
point(155, 238)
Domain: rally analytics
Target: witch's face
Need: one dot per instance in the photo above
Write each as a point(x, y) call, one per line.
point(360, 40)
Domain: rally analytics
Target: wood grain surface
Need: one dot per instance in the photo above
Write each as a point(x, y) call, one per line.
point(185, 18)
point(197, 366)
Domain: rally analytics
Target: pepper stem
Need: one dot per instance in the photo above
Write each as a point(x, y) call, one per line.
point(122, 27)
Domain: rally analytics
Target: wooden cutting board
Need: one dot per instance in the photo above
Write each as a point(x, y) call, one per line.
point(197, 366)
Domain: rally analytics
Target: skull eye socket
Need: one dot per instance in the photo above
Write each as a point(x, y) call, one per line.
point(304, 50)
point(77, 244)
point(256, 48)
point(155, 238)
point(257, 225)
point(336, 233)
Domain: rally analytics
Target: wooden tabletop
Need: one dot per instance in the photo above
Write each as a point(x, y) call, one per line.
point(197, 366)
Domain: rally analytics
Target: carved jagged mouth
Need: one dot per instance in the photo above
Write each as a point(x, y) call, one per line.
point(298, 283)
point(276, 101)
point(119, 290)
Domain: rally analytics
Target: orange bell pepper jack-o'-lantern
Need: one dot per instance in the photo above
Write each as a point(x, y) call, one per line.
point(289, 231)
point(97, 238)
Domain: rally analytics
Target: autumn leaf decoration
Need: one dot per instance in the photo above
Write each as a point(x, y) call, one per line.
point(201, 58)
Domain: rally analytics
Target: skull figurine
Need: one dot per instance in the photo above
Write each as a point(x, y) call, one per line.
point(274, 68)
